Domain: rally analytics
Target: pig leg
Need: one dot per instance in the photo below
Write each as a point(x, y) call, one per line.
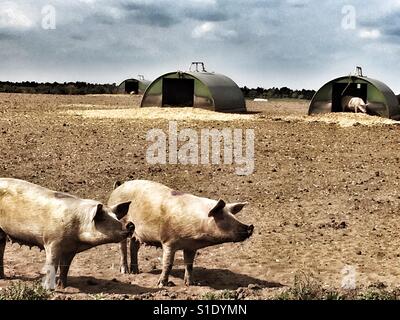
point(134, 248)
point(50, 268)
point(3, 238)
point(188, 258)
point(168, 261)
point(123, 245)
point(65, 263)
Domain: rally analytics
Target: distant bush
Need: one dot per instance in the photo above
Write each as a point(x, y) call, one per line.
point(277, 93)
point(67, 88)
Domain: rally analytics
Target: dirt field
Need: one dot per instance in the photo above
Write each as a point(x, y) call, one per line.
point(323, 196)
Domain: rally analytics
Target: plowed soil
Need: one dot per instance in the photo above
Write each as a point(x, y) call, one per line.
point(323, 196)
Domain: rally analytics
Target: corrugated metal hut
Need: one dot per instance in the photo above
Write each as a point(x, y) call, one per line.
point(199, 89)
point(381, 99)
point(134, 86)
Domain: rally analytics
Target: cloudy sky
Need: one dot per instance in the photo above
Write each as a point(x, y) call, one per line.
point(295, 43)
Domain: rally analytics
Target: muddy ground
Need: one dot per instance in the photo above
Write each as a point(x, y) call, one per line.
point(322, 196)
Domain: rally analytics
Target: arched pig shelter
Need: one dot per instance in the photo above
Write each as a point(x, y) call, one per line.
point(195, 89)
point(136, 86)
point(382, 101)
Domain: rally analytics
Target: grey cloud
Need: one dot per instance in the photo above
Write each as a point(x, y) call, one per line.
point(78, 37)
point(388, 24)
point(220, 11)
point(103, 18)
point(298, 3)
point(206, 15)
point(296, 43)
point(4, 35)
point(152, 18)
point(149, 14)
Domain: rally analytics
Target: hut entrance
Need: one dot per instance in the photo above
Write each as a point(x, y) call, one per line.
point(131, 86)
point(339, 90)
point(178, 92)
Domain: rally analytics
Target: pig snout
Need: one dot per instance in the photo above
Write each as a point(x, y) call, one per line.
point(128, 231)
point(246, 232)
point(130, 228)
point(250, 230)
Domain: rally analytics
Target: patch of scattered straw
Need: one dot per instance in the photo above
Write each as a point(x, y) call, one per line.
point(78, 105)
point(86, 106)
point(177, 114)
point(344, 119)
point(107, 95)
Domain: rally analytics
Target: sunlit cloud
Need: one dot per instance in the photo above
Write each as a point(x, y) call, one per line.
point(370, 34)
point(11, 16)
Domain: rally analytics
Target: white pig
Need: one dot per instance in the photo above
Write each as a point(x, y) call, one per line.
point(175, 221)
point(354, 104)
point(61, 224)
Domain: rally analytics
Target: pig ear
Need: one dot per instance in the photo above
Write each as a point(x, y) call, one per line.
point(235, 208)
point(217, 209)
point(121, 209)
point(97, 212)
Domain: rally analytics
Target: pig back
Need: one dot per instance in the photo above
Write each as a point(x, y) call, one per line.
point(158, 212)
point(29, 213)
point(146, 210)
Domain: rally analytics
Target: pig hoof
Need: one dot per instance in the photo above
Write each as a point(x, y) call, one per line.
point(61, 285)
point(48, 286)
point(189, 283)
point(164, 283)
point(135, 270)
point(124, 269)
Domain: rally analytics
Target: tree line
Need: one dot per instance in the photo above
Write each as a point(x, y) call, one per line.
point(66, 88)
point(81, 88)
point(277, 93)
